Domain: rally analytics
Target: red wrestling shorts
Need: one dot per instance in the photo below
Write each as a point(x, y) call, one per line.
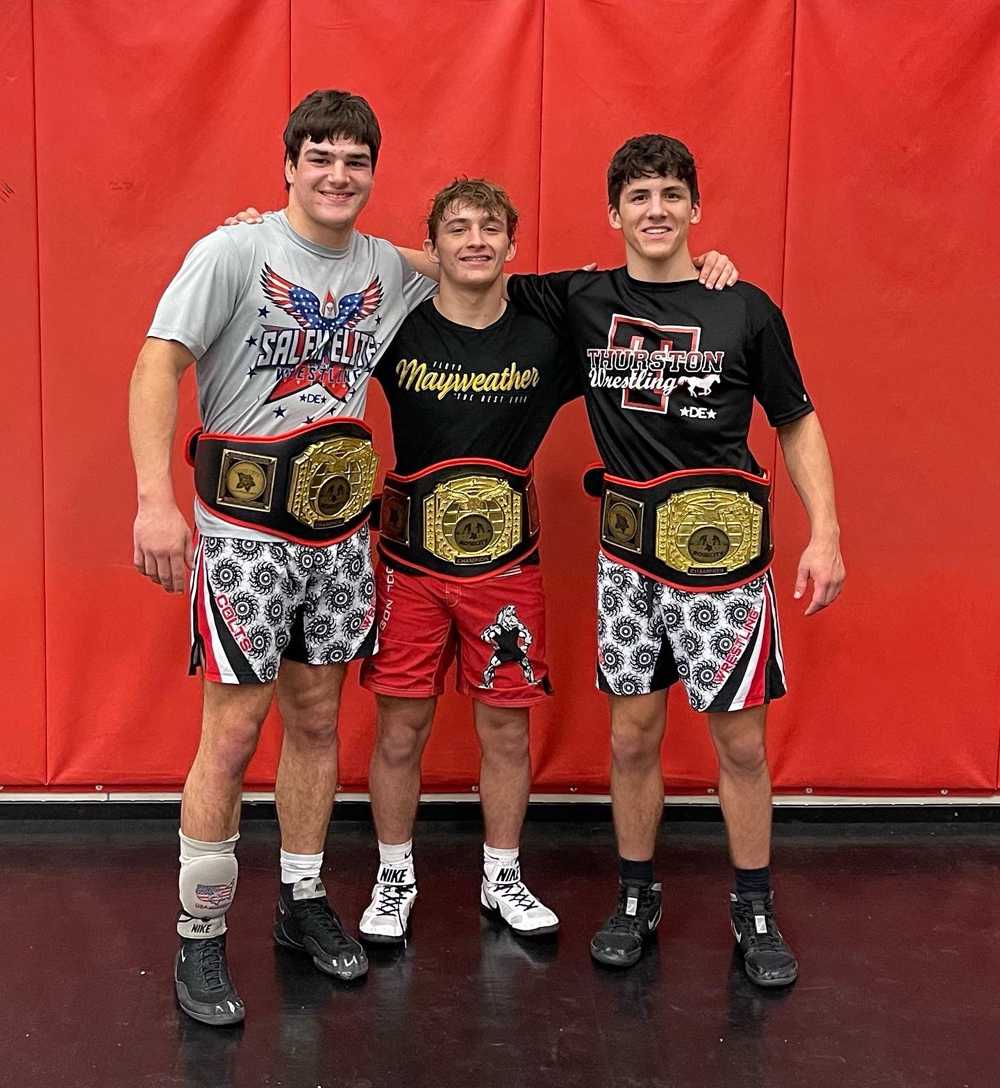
point(494, 629)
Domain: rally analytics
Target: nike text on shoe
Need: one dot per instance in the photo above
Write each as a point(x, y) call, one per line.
point(305, 922)
point(620, 941)
point(201, 978)
point(767, 959)
point(387, 916)
point(514, 905)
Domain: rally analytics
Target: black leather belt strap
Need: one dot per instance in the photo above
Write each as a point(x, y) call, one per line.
point(463, 520)
point(701, 529)
point(312, 486)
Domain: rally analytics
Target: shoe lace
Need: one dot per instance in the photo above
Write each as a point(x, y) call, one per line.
point(211, 960)
point(389, 899)
point(319, 913)
point(517, 894)
point(769, 941)
point(620, 922)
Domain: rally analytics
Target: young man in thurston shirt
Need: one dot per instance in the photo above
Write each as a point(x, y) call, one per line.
point(284, 323)
point(472, 386)
point(684, 589)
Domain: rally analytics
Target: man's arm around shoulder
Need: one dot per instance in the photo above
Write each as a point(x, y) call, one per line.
point(418, 260)
point(161, 535)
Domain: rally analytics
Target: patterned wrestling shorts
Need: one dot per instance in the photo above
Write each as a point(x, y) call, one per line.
point(724, 647)
point(255, 602)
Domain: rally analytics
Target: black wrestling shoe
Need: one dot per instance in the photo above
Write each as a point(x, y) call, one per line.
point(767, 959)
point(204, 989)
point(620, 941)
point(305, 922)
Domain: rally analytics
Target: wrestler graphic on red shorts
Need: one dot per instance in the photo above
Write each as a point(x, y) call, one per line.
point(511, 640)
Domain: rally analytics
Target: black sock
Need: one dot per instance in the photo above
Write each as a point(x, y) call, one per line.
point(753, 883)
point(636, 872)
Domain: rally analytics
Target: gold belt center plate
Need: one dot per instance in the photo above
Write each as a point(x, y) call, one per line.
point(332, 481)
point(709, 530)
point(472, 519)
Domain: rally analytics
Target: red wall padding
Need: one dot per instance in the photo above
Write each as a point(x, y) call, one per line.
point(892, 220)
point(22, 660)
point(847, 154)
point(146, 132)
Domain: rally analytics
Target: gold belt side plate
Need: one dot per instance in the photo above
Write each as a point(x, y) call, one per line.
point(332, 481)
point(622, 523)
point(708, 530)
point(246, 480)
point(472, 519)
point(394, 520)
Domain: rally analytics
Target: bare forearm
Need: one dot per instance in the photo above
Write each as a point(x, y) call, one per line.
point(152, 420)
point(807, 459)
point(808, 463)
point(161, 536)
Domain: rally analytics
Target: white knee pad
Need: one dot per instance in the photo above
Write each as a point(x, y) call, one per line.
point(208, 876)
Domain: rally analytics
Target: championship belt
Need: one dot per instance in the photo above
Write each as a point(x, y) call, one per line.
point(459, 519)
point(707, 529)
point(313, 485)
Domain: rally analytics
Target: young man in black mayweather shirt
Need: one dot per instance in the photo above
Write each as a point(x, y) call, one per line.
point(684, 588)
point(472, 386)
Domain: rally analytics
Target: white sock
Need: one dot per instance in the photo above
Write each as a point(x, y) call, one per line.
point(501, 866)
point(396, 863)
point(296, 867)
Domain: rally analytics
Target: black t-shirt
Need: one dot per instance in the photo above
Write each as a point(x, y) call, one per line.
point(670, 369)
point(458, 392)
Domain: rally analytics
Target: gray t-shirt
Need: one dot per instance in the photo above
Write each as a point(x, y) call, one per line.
point(286, 332)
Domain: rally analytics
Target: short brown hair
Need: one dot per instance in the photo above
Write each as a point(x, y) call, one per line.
point(651, 156)
point(476, 193)
point(327, 115)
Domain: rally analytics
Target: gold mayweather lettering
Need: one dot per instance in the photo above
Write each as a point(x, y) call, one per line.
point(418, 376)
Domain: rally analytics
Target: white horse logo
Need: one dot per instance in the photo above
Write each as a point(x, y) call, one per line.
point(699, 387)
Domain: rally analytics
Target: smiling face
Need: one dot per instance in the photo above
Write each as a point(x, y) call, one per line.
point(654, 214)
point(471, 245)
point(327, 188)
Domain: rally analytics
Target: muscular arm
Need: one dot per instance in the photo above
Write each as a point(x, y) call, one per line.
point(162, 538)
point(807, 458)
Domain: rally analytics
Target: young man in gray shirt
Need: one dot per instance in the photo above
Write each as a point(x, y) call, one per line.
point(284, 323)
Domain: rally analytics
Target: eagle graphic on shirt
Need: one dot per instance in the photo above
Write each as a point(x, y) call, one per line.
point(326, 348)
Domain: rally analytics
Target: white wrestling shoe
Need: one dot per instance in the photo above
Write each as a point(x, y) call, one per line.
point(387, 916)
point(512, 903)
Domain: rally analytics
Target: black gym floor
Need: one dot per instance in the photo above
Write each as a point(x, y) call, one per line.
point(897, 928)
